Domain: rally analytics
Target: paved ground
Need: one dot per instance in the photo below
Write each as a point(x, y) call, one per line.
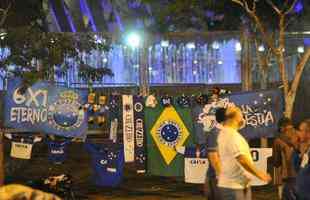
point(133, 187)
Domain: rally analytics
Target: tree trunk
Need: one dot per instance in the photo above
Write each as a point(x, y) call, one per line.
point(246, 62)
point(144, 68)
point(263, 60)
point(289, 104)
point(263, 85)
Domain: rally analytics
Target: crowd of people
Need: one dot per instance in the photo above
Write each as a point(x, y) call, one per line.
point(232, 164)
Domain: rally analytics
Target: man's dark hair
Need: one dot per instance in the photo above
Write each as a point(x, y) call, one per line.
point(283, 122)
point(220, 115)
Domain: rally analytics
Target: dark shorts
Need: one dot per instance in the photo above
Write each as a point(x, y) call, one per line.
point(235, 194)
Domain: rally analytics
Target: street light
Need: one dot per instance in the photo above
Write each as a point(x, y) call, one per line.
point(133, 40)
point(238, 46)
point(261, 48)
point(164, 43)
point(300, 49)
point(191, 45)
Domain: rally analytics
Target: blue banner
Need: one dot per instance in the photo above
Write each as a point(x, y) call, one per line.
point(262, 111)
point(45, 108)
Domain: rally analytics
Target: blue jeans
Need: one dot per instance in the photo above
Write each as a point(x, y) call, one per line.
point(236, 194)
point(289, 189)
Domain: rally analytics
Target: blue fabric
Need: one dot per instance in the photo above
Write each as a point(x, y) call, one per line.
point(46, 108)
point(199, 134)
point(211, 147)
point(57, 151)
point(262, 110)
point(107, 164)
point(289, 189)
point(296, 160)
point(190, 152)
point(303, 182)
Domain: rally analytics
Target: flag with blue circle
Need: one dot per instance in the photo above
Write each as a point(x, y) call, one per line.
point(167, 127)
point(45, 108)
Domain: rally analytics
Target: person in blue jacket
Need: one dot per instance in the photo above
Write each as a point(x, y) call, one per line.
point(303, 176)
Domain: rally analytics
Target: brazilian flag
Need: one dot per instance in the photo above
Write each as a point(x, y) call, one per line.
point(167, 127)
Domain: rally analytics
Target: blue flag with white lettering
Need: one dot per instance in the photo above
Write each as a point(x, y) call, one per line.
point(262, 111)
point(45, 108)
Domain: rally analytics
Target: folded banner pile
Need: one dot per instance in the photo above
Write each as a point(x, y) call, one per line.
point(45, 108)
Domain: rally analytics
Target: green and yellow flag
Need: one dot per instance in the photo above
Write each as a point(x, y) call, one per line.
point(167, 128)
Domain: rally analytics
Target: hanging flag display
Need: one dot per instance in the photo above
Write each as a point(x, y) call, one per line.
point(115, 115)
point(262, 111)
point(140, 154)
point(107, 164)
point(57, 151)
point(128, 128)
point(21, 146)
point(195, 165)
point(45, 108)
point(167, 128)
point(260, 158)
point(197, 115)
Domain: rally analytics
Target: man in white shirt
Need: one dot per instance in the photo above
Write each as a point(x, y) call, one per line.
point(235, 158)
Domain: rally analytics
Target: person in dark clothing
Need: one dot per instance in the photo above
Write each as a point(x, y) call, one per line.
point(303, 176)
point(284, 171)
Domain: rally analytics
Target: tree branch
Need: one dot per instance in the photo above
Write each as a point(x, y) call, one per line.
point(238, 2)
point(268, 40)
point(278, 11)
point(5, 14)
point(291, 8)
point(299, 69)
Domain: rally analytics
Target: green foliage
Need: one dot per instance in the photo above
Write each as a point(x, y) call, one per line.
point(197, 15)
point(39, 55)
point(211, 15)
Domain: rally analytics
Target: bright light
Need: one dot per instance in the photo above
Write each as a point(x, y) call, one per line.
point(215, 45)
point(194, 72)
point(2, 37)
point(133, 40)
point(150, 68)
point(300, 49)
point(195, 61)
point(220, 62)
point(105, 60)
point(261, 48)
point(11, 67)
point(3, 33)
point(164, 43)
point(238, 46)
point(191, 45)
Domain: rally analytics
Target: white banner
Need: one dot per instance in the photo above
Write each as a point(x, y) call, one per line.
point(128, 128)
point(260, 157)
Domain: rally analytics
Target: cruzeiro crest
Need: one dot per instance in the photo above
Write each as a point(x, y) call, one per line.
point(66, 114)
point(207, 117)
point(169, 133)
